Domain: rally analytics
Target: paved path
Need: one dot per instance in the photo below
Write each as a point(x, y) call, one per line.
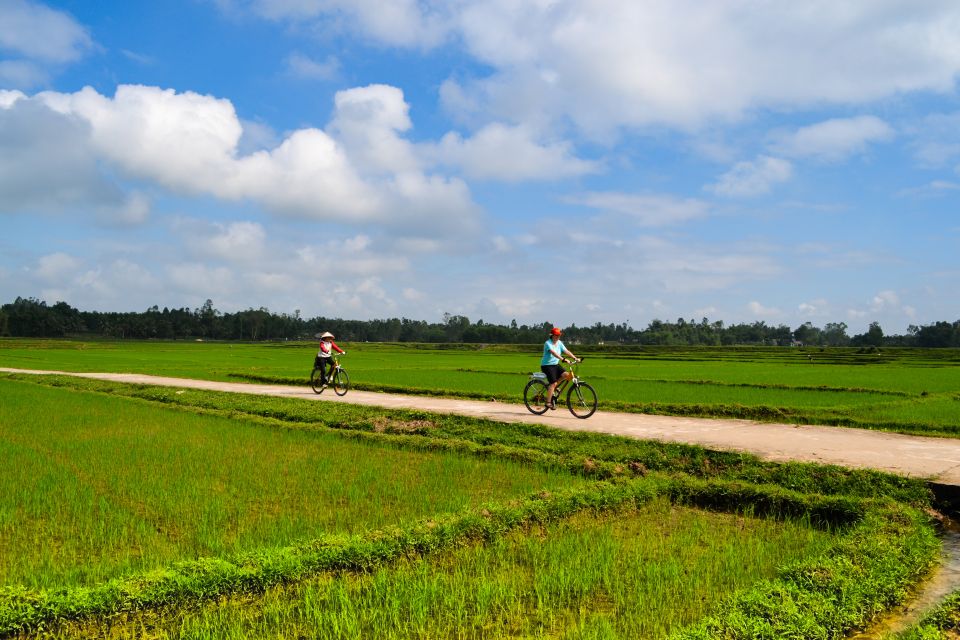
point(934, 459)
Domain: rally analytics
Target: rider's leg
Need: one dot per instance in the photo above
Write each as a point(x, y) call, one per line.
point(323, 369)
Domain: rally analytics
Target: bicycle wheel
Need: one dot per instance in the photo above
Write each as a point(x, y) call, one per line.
point(315, 380)
point(535, 397)
point(582, 400)
point(341, 382)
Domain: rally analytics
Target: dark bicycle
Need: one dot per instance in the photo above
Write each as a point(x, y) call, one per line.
point(337, 378)
point(581, 398)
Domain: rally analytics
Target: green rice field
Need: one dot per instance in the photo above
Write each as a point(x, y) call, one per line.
point(648, 573)
point(97, 486)
point(903, 390)
point(132, 511)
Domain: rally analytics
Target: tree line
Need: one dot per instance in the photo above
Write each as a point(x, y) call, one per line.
point(29, 317)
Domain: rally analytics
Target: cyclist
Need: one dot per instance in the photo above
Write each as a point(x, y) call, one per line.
point(553, 352)
point(324, 355)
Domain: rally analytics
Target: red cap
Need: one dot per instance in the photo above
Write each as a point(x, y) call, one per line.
point(555, 331)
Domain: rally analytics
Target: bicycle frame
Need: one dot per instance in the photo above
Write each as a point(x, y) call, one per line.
point(574, 379)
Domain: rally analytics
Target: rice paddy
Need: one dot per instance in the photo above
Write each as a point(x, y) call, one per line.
point(903, 390)
point(129, 511)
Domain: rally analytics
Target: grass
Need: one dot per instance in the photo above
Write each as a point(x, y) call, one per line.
point(648, 572)
point(575, 451)
point(621, 524)
point(903, 390)
point(96, 486)
point(941, 624)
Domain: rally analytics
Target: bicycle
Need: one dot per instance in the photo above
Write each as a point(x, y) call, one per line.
point(337, 378)
point(581, 398)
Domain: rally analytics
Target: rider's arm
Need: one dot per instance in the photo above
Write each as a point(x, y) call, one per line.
point(558, 356)
point(338, 349)
point(570, 353)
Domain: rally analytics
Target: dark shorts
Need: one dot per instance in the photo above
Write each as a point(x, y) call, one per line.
point(552, 371)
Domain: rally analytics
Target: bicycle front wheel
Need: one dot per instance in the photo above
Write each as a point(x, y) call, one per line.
point(341, 382)
point(535, 397)
point(582, 400)
point(316, 380)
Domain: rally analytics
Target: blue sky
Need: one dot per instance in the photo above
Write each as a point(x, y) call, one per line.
point(567, 161)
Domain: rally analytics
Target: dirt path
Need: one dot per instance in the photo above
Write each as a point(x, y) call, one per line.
point(935, 459)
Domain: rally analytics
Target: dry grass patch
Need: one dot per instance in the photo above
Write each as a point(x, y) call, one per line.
point(386, 424)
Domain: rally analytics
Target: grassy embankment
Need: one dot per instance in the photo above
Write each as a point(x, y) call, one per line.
point(904, 390)
point(858, 536)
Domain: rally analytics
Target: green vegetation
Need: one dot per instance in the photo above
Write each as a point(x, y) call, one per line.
point(200, 514)
point(29, 317)
point(904, 390)
point(114, 486)
point(941, 624)
point(648, 571)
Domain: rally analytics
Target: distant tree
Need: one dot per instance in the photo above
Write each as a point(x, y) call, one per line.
point(807, 334)
point(834, 334)
point(872, 338)
point(938, 334)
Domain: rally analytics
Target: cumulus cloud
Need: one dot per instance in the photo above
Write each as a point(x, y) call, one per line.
point(636, 63)
point(649, 210)
point(47, 162)
point(641, 63)
point(360, 169)
point(510, 154)
point(754, 178)
point(834, 139)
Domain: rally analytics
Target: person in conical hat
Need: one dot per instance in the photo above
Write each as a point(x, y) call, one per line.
point(325, 355)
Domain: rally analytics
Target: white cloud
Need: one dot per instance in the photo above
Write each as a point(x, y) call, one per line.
point(302, 66)
point(8, 98)
point(368, 121)
point(650, 210)
point(936, 140)
point(361, 170)
point(761, 311)
point(884, 299)
point(633, 63)
point(410, 23)
point(636, 63)
point(509, 154)
point(413, 295)
point(834, 139)
point(21, 73)
point(47, 162)
point(932, 189)
point(35, 31)
point(755, 178)
point(237, 242)
point(57, 267)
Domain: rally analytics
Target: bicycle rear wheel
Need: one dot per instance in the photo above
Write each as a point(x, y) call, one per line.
point(341, 382)
point(316, 380)
point(582, 400)
point(535, 397)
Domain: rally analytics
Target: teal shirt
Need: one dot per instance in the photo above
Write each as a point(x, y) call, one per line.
point(549, 358)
